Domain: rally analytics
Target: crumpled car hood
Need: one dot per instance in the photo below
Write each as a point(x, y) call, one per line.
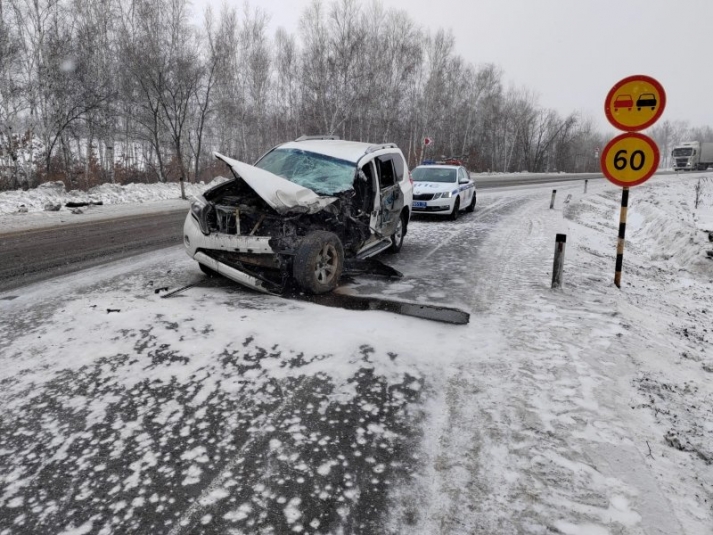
point(281, 194)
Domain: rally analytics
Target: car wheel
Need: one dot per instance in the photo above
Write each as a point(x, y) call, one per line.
point(208, 272)
point(318, 262)
point(456, 210)
point(397, 239)
point(471, 206)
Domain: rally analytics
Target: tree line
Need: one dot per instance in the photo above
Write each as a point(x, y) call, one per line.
point(95, 91)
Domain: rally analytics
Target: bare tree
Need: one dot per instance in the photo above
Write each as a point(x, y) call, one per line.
point(145, 66)
point(132, 85)
point(12, 103)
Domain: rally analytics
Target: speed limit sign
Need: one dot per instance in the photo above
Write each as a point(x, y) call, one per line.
point(630, 159)
point(634, 103)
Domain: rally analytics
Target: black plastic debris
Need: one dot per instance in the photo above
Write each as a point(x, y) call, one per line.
point(404, 308)
point(370, 266)
point(79, 204)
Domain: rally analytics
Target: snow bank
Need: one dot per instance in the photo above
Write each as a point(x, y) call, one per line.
point(35, 200)
point(668, 231)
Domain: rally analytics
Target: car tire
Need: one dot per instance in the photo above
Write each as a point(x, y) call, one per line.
point(397, 239)
point(208, 272)
point(471, 206)
point(318, 262)
point(456, 210)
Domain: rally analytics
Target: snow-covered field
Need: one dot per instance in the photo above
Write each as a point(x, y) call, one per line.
point(586, 410)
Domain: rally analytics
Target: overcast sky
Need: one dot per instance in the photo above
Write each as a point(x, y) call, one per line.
point(570, 52)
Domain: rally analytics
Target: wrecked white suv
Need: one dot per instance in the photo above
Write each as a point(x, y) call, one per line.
point(302, 210)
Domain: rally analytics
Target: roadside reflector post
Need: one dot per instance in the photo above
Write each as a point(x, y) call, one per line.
point(622, 234)
point(552, 202)
point(558, 266)
point(585, 185)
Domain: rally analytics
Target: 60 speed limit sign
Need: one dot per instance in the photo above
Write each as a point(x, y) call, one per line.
point(630, 159)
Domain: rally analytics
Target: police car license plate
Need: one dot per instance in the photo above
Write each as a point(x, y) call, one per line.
point(419, 204)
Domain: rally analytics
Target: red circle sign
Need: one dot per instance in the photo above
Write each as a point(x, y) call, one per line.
point(630, 159)
point(635, 103)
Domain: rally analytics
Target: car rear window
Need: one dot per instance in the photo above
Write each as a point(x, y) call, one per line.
point(433, 174)
point(322, 174)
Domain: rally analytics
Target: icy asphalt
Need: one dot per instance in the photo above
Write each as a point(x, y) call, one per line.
point(223, 411)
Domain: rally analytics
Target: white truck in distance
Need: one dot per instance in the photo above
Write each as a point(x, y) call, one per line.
point(692, 155)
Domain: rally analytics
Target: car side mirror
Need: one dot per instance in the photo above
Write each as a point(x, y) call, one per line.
point(463, 181)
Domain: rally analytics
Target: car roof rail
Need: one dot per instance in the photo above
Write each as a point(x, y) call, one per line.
point(307, 138)
point(374, 148)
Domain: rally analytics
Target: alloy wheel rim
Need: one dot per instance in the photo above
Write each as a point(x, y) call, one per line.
point(327, 261)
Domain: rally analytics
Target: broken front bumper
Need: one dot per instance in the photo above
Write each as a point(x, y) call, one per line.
point(198, 246)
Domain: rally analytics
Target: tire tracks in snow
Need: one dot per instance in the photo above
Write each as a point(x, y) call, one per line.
point(520, 431)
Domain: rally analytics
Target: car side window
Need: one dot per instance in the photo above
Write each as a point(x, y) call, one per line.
point(387, 175)
point(399, 166)
point(365, 189)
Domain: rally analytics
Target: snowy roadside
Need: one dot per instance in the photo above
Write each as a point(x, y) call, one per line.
point(221, 410)
point(25, 210)
point(593, 414)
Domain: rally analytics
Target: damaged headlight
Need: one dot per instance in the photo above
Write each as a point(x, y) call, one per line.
point(198, 211)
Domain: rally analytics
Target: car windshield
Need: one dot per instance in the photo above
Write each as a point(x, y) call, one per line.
point(433, 174)
point(683, 152)
point(322, 174)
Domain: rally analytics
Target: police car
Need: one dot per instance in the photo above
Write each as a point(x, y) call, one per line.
point(442, 189)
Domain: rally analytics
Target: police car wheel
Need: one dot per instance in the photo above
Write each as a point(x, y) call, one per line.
point(471, 206)
point(456, 210)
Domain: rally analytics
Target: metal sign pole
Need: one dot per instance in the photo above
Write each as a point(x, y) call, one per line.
point(622, 233)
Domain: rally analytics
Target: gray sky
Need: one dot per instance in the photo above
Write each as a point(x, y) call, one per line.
point(570, 52)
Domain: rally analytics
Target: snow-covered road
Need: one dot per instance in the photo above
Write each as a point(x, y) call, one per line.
point(585, 410)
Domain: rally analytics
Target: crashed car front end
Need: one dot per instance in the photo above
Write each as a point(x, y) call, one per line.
point(249, 229)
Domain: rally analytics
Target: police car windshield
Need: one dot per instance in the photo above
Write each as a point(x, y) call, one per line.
point(433, 174)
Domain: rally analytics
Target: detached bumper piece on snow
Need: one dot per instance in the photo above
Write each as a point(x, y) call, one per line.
point(441, 314)
point(236, 275)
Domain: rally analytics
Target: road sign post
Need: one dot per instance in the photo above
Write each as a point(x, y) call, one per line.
point(622, 234)
point(424, 148)
point(630, 159)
